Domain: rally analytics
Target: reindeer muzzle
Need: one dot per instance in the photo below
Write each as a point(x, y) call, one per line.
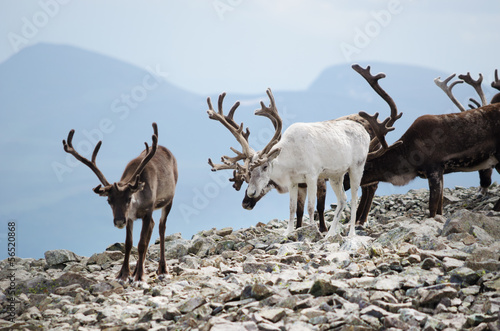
point(120, 223)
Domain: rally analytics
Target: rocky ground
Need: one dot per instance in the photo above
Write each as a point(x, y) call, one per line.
point(404, 272)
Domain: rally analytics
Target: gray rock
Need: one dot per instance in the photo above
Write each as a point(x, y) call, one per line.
point(224, 232)
point(60, 256)
point(464, 276)
point(171, 313)
point(450, 263)
point(300, 287)
point(200, 246)
point(256, 291)
point(254, 267)
point(176, 249)
point(105, 257)
point(70, 278)
point(482, 235)
point(323, 287)
point(464, 220)
point(374, 311)
point(412, 317)
point(432, 295)
point(485, 258)
point(273, 314)
point(191, 304)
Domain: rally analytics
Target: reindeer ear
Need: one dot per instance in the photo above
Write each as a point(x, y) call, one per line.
point(137, 185)
point(274, 154)
point(102, 191)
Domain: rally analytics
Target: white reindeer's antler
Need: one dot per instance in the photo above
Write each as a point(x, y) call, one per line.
point(443, 85)
point(240, 173)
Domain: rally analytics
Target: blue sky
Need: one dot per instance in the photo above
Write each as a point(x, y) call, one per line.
point(207, 46)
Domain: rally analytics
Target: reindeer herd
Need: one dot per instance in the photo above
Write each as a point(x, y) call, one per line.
point(349, 152)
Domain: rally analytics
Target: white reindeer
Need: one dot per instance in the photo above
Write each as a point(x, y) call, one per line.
point(305, 153)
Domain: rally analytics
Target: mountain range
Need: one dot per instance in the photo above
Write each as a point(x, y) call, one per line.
point(46, 90)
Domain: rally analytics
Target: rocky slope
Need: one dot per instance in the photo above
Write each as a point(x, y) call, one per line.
point(404, 271)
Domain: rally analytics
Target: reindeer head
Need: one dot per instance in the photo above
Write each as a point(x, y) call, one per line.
point(255, 164)
point(260, 175)
point(120, 194)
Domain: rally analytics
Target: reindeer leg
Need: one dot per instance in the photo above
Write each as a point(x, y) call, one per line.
point(497, 167)
point(485, 180)
point(435, 178)
point(320, 205)
point(125, 270)
point(301, 198)
point(355, 178)
point(367, 195)
point(294, 190)
point(312, 188)
point(337, 187)
point(162, 266)
point(146, 231)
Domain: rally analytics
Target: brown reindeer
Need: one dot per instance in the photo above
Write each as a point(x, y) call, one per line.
point(485, 174)
point(148, 183)
point(435, 145)
point(240, 174)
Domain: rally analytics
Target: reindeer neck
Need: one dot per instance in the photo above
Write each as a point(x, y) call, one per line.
point(392, 167)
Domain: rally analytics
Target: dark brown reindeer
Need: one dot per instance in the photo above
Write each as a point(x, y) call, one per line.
point(435, 145)
point(148, 183)
point(485, 174)
point(240, 175)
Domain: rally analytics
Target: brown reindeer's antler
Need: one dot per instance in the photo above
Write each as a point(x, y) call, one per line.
point(68, 148)
point(240, 173)
point(443, 85)
point(496, 83)
point(380, 131)
point(147, 158)
point(476, 84)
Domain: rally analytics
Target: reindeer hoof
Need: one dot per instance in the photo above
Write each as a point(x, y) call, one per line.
point(123, 277)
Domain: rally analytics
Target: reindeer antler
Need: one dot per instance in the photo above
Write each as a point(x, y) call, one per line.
point(68, 148)
point(240, 173)
point(496, 83)
point(443, 85)
point(271, 112)
point(476, 84)
point(148, 157)
point(379, 131)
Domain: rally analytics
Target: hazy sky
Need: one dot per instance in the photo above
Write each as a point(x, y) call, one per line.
point(208, 46)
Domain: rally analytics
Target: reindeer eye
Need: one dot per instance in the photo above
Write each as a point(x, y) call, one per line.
point(264, 168)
